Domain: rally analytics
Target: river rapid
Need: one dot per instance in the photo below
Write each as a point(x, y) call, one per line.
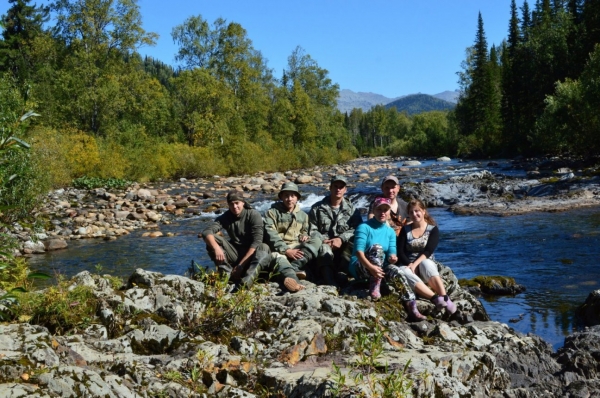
point(555, 255)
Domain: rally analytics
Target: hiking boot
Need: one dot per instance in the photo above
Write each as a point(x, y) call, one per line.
point(300, 274)
point(374, 286)
point(292, 285)
point(413, 312)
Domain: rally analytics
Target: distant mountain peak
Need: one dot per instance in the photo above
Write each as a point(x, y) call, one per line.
point(349, 99)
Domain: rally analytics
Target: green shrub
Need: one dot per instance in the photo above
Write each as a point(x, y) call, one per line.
point(97, 182)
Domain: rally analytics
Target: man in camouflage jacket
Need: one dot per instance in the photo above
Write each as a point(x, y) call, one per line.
point(286, 230)
point(335, 218)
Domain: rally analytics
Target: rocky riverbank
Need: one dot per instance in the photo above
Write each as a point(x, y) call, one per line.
point(154, 337)
point(68, 214)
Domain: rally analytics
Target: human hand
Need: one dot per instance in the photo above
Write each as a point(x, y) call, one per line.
point(412, 267)
point(376, 272)
point(304, 238)
point(335, 243)
point(236, 272)
point(219, 254)
point(392, 259)
point(294, 254)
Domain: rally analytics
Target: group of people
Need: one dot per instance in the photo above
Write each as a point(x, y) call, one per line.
point(396, 243)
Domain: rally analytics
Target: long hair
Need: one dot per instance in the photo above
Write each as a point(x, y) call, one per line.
point(426, 216)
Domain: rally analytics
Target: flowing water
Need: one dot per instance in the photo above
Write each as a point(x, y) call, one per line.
point(555, 255)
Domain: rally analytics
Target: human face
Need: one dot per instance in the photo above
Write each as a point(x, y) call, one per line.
point(337, 189)
point(390, 189)
point(289, 199)
point(381, 213)
point(236, 207)
point(416, 213)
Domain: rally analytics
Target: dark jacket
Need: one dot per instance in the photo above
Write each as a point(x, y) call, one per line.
point(245, 231)
point(321, 219)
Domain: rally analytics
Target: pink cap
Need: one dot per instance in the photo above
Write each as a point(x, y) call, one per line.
point(382, 201)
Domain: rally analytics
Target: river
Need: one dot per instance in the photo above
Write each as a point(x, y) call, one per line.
point(555, 255)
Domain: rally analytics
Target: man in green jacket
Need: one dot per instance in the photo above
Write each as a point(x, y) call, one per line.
point(286, 227)
point(335, 218)
point(244, 255)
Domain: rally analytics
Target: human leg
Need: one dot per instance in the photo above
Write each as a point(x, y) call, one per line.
point(286, 272)
point(407, 296)
point(259, 262)
point(325, 264)
point(376, 256)
point(231, 254)
point(430, 274)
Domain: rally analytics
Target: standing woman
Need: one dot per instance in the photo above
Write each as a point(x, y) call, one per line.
point(374, 246)
point(416, 244)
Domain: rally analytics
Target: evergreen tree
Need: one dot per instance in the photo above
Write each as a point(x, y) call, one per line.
point(478, 109)
point(23, 23)
point(510, 81)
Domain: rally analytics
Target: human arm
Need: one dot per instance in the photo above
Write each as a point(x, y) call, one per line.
point(401, 247)
point(246, 257)
point(209, 238)
point(392, 258)
point(432, 242)
point(353, 221)
point(219, 253)
point(273, 239)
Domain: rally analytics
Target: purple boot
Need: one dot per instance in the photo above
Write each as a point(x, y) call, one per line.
point(442, 302)
point(413, 312)
point(374, 287)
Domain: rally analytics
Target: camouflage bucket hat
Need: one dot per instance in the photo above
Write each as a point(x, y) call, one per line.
point(290, 187)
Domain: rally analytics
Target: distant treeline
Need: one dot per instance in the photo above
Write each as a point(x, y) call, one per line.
point(105, 111)
point(539, 91)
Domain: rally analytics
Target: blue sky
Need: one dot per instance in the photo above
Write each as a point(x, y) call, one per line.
point(388, 47)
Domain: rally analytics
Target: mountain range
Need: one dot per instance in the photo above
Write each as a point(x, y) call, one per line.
point(349, 100)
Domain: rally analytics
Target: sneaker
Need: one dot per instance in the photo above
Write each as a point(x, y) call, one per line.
point(374, 286)
point(413, 311)
point(301, 275)
point(292, 285)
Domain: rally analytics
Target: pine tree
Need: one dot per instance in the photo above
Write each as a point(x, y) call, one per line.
point(22, 24)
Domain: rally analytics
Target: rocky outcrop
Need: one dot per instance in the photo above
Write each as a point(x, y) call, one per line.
point(589, 311)
point(146, 342)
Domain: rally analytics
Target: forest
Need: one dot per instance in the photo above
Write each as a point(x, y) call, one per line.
point(77, 100)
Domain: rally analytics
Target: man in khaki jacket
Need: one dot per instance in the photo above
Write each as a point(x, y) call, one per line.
point(286, 227)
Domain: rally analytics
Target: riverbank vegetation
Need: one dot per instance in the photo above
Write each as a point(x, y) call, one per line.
point(535, 93)
point(107, 112)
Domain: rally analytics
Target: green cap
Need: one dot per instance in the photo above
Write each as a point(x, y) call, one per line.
point(291, 187)
point(338, 177)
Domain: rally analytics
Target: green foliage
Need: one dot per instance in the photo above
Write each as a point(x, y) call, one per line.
point(20, 187)
point(15, 277)
point(226, 313)
point(97, 182)
point(60, 308)
point(370, 376)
